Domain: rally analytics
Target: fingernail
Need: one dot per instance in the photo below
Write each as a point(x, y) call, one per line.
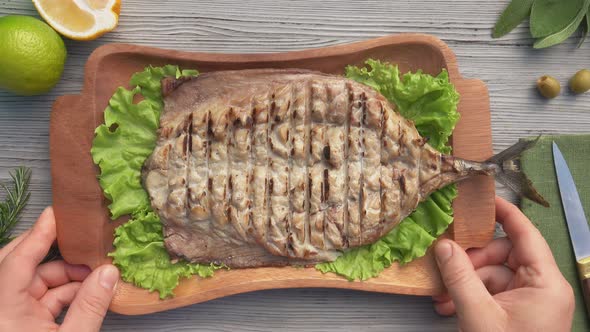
point(443, 251)
point(45, 213)
point(108, 277)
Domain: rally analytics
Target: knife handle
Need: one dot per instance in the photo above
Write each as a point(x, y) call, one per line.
point(584, 270)
point(586, 291)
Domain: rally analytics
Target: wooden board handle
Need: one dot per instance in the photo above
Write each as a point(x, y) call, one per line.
point(60, 135)
point(66, 125)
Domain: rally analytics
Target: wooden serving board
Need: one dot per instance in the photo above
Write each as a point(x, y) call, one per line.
point(85, 231)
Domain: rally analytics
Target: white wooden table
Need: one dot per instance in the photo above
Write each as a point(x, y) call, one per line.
point(509, 66)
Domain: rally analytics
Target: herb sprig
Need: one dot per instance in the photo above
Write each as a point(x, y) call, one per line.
point(551, 21)
point(17, 196)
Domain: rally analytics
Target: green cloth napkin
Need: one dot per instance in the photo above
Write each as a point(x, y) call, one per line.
point(537, 164)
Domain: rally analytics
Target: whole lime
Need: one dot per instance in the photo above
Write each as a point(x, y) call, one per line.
point(32, 55)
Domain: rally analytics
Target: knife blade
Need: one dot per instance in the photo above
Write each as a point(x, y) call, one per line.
point(575, 217)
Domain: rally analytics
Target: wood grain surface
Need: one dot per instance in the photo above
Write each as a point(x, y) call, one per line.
point(508, 66)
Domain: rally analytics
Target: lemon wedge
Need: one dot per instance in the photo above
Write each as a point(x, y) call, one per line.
point(80, 19)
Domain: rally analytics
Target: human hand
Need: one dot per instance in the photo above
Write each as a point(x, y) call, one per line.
point(512, 284)
point(34, 295)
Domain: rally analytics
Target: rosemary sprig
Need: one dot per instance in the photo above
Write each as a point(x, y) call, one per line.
point(16, 199)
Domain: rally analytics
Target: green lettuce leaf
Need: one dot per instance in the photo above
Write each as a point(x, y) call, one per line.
point(431, 102)
point(128, 136)
point(143, 260)
point(120, 147)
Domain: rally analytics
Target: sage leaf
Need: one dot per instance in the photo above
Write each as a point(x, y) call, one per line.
point(551, 16)
point(512, 16)
point(564, 33)
point(586, 29)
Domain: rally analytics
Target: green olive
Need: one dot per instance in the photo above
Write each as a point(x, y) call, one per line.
point(548, 86)
point(580, 82)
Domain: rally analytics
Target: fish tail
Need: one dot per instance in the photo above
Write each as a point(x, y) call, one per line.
point(509, 174)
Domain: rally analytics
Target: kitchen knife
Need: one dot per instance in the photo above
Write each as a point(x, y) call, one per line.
point(577, 224)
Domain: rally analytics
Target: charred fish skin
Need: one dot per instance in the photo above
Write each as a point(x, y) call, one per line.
point(271, 167)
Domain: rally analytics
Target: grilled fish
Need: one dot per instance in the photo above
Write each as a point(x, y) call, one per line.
point(274, 167)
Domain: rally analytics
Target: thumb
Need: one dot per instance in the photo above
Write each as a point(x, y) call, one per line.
point(469, 294)
point(92, 300)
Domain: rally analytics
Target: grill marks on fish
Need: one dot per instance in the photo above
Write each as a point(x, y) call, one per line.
point(390, 175)
point(334, 175)
point(198, 191)
point(271, 167)
point(290, 246)
point(239, 156)
point(307, 187)
point(372, 169)
point(346, 217)
point(261, 105)
point(280, 147)
point(355, 156)
point(299, 228)
point(178, 168)
point(316, 175)
point(429, 169)
point(218, 164)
